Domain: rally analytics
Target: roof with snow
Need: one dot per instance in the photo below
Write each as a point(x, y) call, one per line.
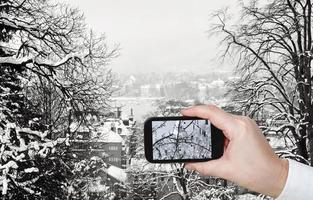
point(108, 136)
point(114, 137)
point(144, 166)
point(118, 124)
point(117, 173)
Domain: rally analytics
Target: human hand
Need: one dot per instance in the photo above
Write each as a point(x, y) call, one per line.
point(248, 159)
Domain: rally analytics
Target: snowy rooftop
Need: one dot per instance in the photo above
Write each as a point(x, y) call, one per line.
point(118, 124)
point(104, 133)
point(117, 173)
point(144, 166)
point(107, 136)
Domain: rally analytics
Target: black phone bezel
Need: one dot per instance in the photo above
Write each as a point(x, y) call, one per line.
point(217, 140)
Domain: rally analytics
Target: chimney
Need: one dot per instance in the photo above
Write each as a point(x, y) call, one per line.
point(118, 112)
point(131, 116)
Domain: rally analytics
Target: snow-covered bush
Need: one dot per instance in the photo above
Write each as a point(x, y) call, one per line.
point(86, 179)
point(216, 193)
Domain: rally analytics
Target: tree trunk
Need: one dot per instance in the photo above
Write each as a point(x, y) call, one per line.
point(310, 138)
point(302, 149)
point(183, 183)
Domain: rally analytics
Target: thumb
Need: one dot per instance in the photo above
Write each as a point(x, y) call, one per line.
point(219, 118)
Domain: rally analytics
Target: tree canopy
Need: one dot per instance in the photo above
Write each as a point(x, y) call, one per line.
point(52, 71)
point(272, 44)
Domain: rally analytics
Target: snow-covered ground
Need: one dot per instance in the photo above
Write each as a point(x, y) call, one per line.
point(250, 197)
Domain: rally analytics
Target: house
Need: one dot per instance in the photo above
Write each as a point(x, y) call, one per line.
point(123, 127)
point(105, 137)
point(109, 142)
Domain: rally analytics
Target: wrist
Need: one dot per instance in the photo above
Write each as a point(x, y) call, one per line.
point(281, 178)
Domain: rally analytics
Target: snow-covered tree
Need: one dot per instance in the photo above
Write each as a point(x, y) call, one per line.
point(49, 63)
point(65, 62)
point(88, 180)
point(216, 193)
point(272, 44)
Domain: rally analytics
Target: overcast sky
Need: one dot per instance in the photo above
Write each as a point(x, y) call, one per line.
point(156, 35)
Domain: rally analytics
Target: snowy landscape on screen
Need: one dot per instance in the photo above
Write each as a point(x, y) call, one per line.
point(181, 139)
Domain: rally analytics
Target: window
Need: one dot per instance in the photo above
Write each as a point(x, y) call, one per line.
point(113, 148)
point(114, 159)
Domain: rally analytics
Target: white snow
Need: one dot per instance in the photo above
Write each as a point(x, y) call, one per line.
point(31, 170)
point(108, 136)
point(250, 197)
point(41, 61)
point(117, 173)
point(96, 186)
point(143, 165)
point(114, 138)
point(11, 164)
point(4, 186)
point(77, 127)
point(15, 61)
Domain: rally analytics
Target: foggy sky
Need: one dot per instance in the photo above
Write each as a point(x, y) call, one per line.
point(157, 35)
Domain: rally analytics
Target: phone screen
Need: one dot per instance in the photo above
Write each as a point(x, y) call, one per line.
point(181, 139)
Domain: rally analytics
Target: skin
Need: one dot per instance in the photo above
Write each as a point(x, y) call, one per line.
point(248, 159)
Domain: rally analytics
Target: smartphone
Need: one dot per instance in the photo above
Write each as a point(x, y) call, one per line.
point(181, 139)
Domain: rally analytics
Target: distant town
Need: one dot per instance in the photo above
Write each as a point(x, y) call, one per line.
point(140, 91)
point(184, 85)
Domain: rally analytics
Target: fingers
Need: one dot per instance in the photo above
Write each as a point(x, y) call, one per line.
point(209, 168)
point(226, 142)
point(219, 118)
point(222, 120)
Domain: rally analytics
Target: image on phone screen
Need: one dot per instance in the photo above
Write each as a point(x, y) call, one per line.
point(181, 139)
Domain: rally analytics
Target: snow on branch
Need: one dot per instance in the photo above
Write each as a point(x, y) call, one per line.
point(6, 20)
point(289, 154)
point(11, 60)
point(117, 173)
point(11, 4)
point(15, 61)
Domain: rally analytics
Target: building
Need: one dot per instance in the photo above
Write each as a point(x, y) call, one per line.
point(116, 132)
point(103, 138)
